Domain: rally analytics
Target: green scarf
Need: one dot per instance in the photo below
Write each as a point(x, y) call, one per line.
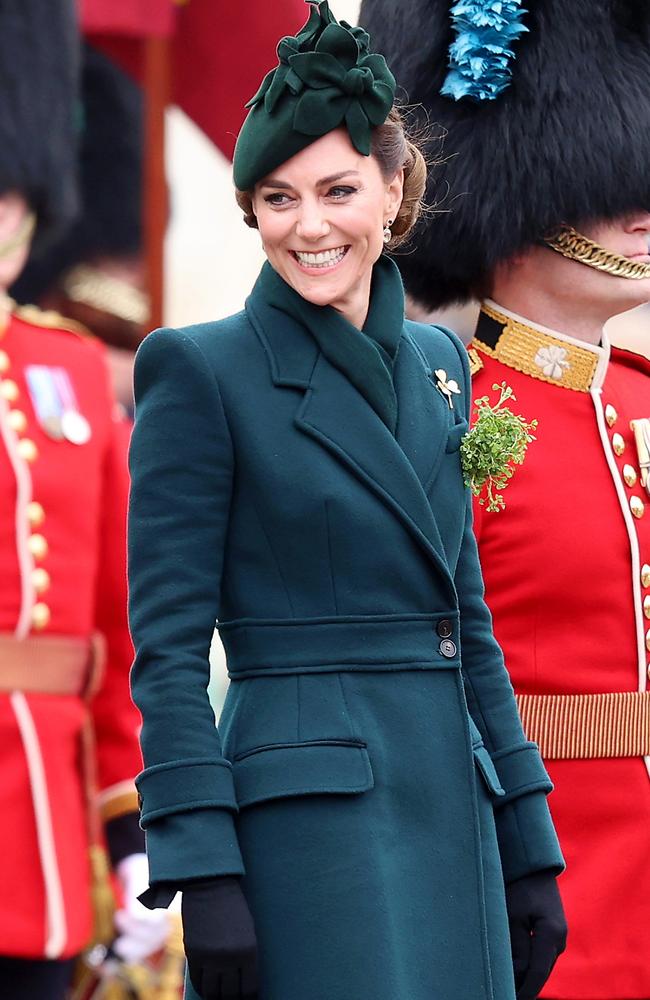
point(365, 356)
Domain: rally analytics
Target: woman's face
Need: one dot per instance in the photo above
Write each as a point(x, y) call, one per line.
point(321, 216)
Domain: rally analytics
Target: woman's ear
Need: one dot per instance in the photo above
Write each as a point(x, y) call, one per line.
point(394, 194)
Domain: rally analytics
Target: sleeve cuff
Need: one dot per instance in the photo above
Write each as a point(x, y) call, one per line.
point(521, 771)
point(527, 839)
point(182, 786)
point(190, 845)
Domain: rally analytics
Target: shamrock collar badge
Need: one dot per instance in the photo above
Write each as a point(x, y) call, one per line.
point(448, 387)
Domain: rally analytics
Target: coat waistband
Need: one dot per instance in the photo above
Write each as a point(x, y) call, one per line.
point(319, 645)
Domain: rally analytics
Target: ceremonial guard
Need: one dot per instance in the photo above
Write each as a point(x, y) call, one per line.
point(68, 729)
point(546, 193)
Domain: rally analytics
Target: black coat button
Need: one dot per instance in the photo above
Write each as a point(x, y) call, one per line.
point(444, 628)
point(448, 648)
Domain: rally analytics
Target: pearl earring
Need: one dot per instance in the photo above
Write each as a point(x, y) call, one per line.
point(387, 231)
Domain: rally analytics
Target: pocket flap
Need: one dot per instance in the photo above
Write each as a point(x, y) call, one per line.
point(318, 767)
point(456, 435)
point(488, 770)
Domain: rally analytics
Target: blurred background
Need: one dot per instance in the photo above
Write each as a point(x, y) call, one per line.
point(212, 259)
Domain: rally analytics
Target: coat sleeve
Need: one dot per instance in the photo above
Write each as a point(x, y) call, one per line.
point(115, 717)
point(181, 462)
point(527, 838)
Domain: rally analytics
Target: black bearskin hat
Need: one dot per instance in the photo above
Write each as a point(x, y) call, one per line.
point(111, 159)
point(39, 64)
point(567, 140)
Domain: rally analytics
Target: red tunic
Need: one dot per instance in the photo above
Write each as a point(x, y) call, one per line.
point(72, 584)
point(567, 577)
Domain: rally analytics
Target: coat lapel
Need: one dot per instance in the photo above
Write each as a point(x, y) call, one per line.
point(423, 414)
point(335, 414)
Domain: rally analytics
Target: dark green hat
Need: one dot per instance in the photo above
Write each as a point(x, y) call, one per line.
point(326, 78)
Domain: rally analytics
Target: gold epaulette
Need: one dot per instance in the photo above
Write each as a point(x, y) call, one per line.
point(52, 320)
point(475, 362)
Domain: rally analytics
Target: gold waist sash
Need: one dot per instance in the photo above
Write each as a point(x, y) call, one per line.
point(567, 726)
point(54, 664)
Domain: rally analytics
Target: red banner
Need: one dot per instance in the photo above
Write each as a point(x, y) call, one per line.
point(220, 50)
point(134, 18)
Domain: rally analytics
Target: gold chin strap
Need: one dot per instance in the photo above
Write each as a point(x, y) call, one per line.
point(568, 241)
point(22, 236)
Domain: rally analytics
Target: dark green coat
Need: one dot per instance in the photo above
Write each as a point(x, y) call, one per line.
point(364, 767)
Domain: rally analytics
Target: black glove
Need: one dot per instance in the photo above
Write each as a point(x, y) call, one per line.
point(219, 939)
point(538, 930)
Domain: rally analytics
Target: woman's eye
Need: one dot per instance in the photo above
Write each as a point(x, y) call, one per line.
point(277, 198)
point(341, 191)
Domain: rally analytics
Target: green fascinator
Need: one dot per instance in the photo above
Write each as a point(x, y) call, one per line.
point(326, 78)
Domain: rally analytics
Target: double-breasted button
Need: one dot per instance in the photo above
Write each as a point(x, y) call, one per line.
point(40, 580)
point(646, 606)
point(647, 640)
point(17, 421)
point(9, 390)
point(35, 514)
point(444, 628)
point(38, 546)
point(637, 506)
point(40, 616)
point(448, 648)
point(611, 416)
point(645, 574)
point(27, 450)
point(629, 475)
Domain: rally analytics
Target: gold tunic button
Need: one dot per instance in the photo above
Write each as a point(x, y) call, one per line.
point(40, 580)
point(611, 416)
point(646, 606)
point(35, 514)
point(38, 546)
point(618, 444)
point(40, 616)
point(637, 506)
point(9, 390)
point(17, 421)
point(4, 362)
point(629, 475)
point(27, 450)
point(645, 575)
point(647, 640)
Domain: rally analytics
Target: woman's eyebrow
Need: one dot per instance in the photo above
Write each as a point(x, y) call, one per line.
point(277, 183)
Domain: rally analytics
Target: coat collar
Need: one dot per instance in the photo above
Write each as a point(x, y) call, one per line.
point(339, 418)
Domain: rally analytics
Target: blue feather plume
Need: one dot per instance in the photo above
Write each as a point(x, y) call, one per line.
point(480, 57)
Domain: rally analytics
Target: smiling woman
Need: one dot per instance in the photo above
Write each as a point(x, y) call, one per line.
point(296, 475)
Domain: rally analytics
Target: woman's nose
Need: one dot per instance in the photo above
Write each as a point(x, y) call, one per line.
point(311, 223)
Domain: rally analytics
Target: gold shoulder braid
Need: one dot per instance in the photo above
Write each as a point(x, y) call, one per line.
point(570, 243)
point(533, 352)
point(475, 363)
point(51, 319)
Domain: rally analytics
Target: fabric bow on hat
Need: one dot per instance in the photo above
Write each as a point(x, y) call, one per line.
point(341, 85)
point(326, 77)
point(276, 80)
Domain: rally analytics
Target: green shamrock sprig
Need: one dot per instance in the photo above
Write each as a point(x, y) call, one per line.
point(493, 447)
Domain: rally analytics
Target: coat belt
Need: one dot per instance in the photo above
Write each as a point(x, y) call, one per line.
point(571, 726)
point(53, 664)
point(319, 645)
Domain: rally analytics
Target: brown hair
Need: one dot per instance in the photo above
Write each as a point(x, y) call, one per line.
point(392, 147)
